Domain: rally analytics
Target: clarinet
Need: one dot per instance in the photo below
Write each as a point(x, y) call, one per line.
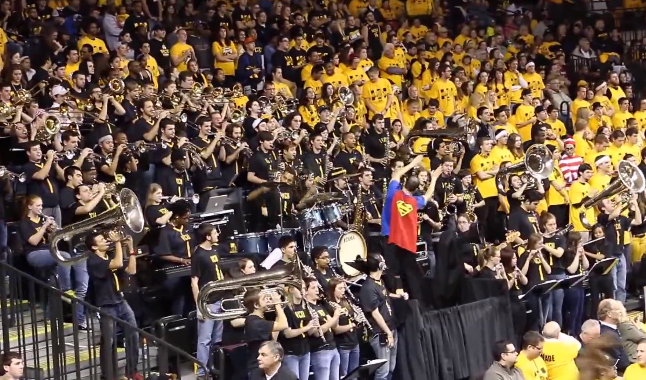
point(358, 316)
point(309, 272)
point(348, 293)
point(315, 317)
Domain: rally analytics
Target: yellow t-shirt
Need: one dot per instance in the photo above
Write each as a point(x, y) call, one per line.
point(635, 371)
point(445, 92)
point(559, 356)
point(578, 191)
point(177, 51)
point(557, 126)
point(511, 79)
point(309, 114)
point(595, 122)
point(532, 369)
point(377, 94)
point(554, 198)
point(523, 114)
point(419, 8)
point(98, 46)
point(336, 80)
point(619, 119)
point(576, 104)
point(583, 146)
point(535, 84)
point(615, 95)
point(641, 120)
point(316, 85)
point(500, 155)
point(229, 68)
point(355, 75)
point(486, 187)
point(385, 63)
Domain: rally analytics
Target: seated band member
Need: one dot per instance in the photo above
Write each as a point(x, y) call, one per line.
point(205, 268)
point(257, 329)
point(104, 269)
point(175, 248)
point(34, 231)
point(285, 253)
point(270, 358)
point(375, 303)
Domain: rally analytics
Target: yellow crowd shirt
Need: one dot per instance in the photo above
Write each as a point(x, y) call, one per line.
point(419, 8)
point(511, 79)
point(377, 94)
point(445, 92)
point(98, 46)
point(535, 84)
point(336, 80)
point(229, 68)
point(559, 356)
point(557, 126)
point(500, 155)
point(578, 191)
point(576, 104)
point(583, 146)
point(595, 122)
point(603, 100)
point(315, 85)
point(554, 197)
point(523, 114)
point(385, 63)
point(177, 51)
point(616, 93)
point(635, 371)
point(439, 116)
point(619, 119)
point(355, 75)
point(531, 369)
point(487, 187)
point(641, 120)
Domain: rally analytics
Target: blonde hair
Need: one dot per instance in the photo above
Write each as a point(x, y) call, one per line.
point(154, 187)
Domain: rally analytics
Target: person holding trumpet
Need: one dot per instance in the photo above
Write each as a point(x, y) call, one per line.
point(533, 265)
point(615, 225)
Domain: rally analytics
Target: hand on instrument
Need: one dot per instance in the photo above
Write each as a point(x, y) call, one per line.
point(181, 141)
point(313, 324)
point(452, 198)
point(426, 217)
point(275, 297)
point(199, 316)
point(186, 261)
point(468, 268)
point(405, 296)
point(114, 236)
point(174, 199)
point(337, 313)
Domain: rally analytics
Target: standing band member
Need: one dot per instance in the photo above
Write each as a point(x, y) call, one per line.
point(399, 223)
point(257, 329)
point(104, 269)
point(205, 268)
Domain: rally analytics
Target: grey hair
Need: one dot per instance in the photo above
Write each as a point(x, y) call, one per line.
point(589, 324)
point(275, 348)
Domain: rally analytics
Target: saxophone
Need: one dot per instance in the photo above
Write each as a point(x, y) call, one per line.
point(359, 211)
point(470, 200)
point(448, 208)
point(389, 155)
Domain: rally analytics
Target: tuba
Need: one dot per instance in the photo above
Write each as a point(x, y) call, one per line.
point(288, 275)
point(538, 162)
point(629, 180)
point(456, 135)
point(127, 213)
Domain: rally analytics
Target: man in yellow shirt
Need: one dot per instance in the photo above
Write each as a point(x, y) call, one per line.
point(579, 190)
point(620, 117)
point(637, 371)
point(559, 352)
point(181, 52)
point(90, 38)
point(444, 91)
point(601, 143)
point(391, 67)
point(500, 153)
point(529, 360)
point(484, 171)
point(378, 95)
point(525, 116)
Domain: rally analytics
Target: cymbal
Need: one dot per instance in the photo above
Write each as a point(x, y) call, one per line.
point(276, 184)
point(322, 198)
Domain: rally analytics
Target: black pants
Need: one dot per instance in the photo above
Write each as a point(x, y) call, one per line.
point(561, 213)
point(601, 288)
point(402, 263)
point(488, 219)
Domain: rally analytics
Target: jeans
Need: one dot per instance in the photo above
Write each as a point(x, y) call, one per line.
point(124, 312)
point(299, 365)
point(385, 372)
point(349, 360)
point(556, 309)
point(574, 309)
point(3, 236)
point(43, 260)
point(209, 334)
point(619, 278)
point(81, 280)
point(325, 364)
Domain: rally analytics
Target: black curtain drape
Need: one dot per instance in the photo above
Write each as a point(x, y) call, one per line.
point(453, 343)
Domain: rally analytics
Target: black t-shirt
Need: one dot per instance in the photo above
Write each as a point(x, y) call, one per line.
point(299, 57)
point(323, 278)
point(221, 21)
point(487, 272)
point(315, 163)
point(535, 272)
point(256, 331)
point(171, 182)
point(348, 339)
point(243, 15)
point(348, 160)
point(373, 296)
point(446, 186)
point(470, 196)
point(174, 241)
point(152, 213)
point(205, 265)
point(70, 216)
point(556, 263)
point(107, 290)
point(262, 164)
point(514, 203)
point(317, 343)
point(138, 129)
point(284, 60)
point(297, 317)
point(67, 198)
point(28, 228)
point(614, 231)
point(46, 189)
point(525, 222)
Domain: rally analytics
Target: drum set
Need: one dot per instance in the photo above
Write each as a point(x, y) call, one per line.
point(318, 227)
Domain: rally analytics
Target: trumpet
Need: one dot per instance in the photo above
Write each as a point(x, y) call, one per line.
point(67, 154)
point(7, 174)
point(127, 213)
point(195, 198)
point(274, 279)
point(237, 300)
point(236, 144)
point(195, 154)
point(143, 147)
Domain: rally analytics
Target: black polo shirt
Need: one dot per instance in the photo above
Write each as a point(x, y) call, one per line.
point(205, 265)
point(70, 216)
point(176, 242)
point(171, 182)
point(257, 331)
point(105, 281)
point(262, 164)
point(525, 222)
point(28, 228)
point(373, 296)
point(46, 189)
point(348, 160)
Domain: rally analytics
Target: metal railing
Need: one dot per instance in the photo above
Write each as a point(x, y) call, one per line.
point(39, 321)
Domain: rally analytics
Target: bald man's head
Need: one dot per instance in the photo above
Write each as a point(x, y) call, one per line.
point(551, 330)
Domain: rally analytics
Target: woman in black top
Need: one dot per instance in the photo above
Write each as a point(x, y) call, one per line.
point(515, 281)
point(257, 329)
point(533, 265)
point(515, 192)
point(601, 285)
point(325, 358)
point(489, 265)
point(346, 333)
point(156, 214)
point(553, 248)
point(294, 337)
point(575, 262)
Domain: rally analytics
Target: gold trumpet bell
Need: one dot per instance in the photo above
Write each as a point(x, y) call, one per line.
point(21, 97)
point(116, 86)
point(6, 110)
point(237, 116)
point(52, 125)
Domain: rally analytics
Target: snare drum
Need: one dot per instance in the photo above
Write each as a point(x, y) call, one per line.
point(311, 218)
point(252, 243)
point(343, 246)
point(274, 235)
point(332, 213)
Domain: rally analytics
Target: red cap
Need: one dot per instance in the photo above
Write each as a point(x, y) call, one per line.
point(249, 40)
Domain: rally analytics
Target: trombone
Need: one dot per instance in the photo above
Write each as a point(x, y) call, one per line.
point(629, 180)
point(127, 213)
point(194, 199)
point(48, 131)
point(7, 174)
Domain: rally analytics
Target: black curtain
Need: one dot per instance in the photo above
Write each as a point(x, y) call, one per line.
point(453, 343)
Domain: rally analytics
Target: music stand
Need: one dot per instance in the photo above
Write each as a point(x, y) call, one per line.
point(570, 282)
point(540, 290)
point(603, 267)
point(364, 372)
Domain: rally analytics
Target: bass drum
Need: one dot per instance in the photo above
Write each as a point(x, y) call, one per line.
point(252, 243)
point(343, 246)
